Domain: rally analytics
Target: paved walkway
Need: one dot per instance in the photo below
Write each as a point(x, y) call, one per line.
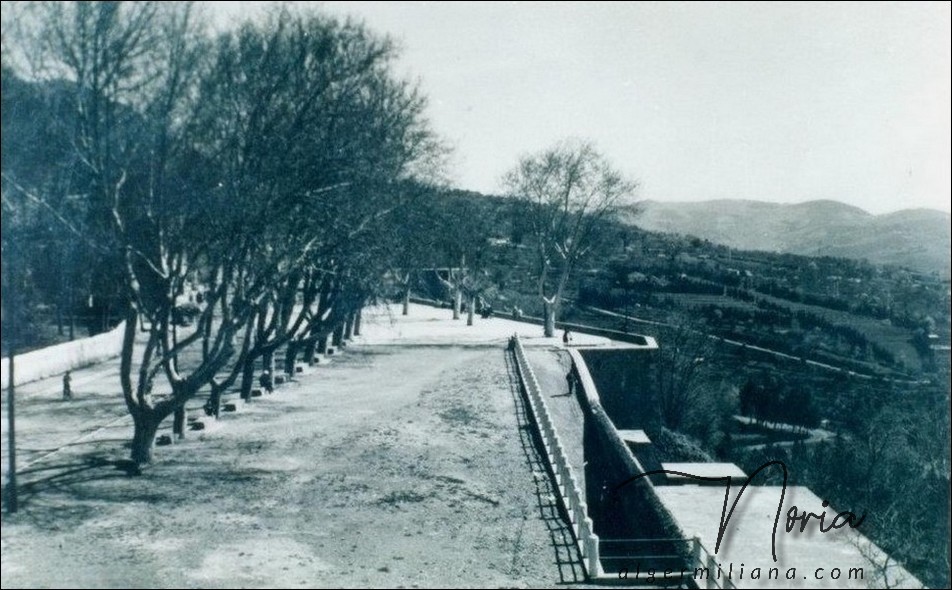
point(550, 367)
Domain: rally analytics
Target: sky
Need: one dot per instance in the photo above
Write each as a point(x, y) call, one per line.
point(696, 101)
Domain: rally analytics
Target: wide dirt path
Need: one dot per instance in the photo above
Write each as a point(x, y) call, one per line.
point(390, 466)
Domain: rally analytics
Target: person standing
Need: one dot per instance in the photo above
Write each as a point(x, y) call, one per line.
point(67, 389)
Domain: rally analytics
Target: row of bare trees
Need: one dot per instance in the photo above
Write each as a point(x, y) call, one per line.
point(280, 169)
point(259, 166)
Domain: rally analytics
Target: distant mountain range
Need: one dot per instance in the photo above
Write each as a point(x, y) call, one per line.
point(916, 238)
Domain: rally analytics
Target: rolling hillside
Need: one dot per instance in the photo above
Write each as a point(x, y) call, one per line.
point(917, 238)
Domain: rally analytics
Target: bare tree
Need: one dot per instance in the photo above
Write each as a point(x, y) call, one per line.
point(472, 225)
point(260, 168)
point(130, 70)
point(411, 247)
point(323, 135)
point(888, 572)
point(567, 190)
point(679, 379)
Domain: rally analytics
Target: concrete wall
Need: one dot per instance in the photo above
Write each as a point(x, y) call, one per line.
point(60, 358)
point(619, 509)
point(624, 380)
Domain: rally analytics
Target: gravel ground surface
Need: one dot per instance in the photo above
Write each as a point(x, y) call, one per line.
point(406, 466)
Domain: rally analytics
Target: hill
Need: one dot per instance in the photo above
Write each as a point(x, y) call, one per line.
point(916, 238)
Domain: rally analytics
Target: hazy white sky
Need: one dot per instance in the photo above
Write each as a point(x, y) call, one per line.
point(787, 102)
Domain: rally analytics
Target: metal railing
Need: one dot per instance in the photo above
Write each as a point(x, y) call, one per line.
point(565, 481)
point(617, 554)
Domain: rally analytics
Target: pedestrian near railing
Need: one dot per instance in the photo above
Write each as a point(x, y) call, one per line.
point(569, 492)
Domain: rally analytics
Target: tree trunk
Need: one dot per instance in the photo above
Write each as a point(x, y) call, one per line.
point(349, 327)
point(309, 345)
point(322, 343)
point(145, 426)
point(11, 498)
point(548, 310)
point(178, 423)
point(471, 311)
point(70, 315)
point(457, 303)
point(214, 401)
point(104, 318)
point(406, 299)
point(267, 360)
point(247, 378)
point(357, 318)
point(174, 343)
point(205, 342)
point(338, 336)
point(290, 356)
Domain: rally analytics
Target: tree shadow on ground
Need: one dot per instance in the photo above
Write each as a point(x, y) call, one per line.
point(567, 557)
point(72, 471)
point(62, 493)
